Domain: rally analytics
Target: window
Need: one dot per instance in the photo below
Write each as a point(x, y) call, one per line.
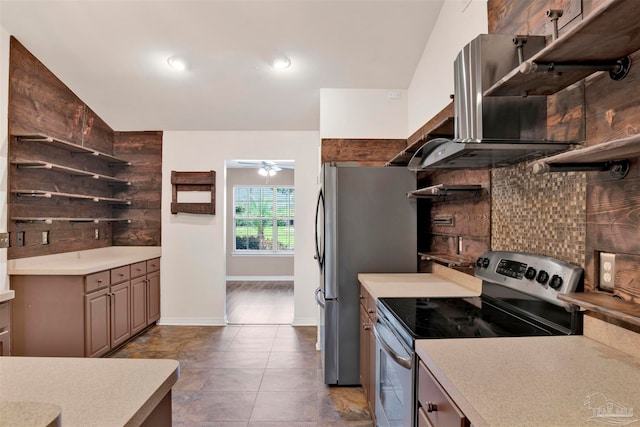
point(263, 219)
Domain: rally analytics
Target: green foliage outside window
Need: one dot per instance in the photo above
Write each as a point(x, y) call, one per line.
point(264, 219)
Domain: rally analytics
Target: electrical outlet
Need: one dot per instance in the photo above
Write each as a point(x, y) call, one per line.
point(96, 233)
point(45, 237)
point(4, 240)
point(20, 238)
point(607, 270)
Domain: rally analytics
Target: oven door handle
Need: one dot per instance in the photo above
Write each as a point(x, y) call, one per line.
point(402, 361)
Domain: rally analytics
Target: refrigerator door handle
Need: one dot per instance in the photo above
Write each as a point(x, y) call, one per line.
point(318, 300)
point(318, 256)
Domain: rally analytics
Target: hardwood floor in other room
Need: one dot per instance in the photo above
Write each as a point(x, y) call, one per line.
point(260, 302)
point(251, 376)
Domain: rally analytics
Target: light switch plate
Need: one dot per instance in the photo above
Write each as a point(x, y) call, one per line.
point(4, 240)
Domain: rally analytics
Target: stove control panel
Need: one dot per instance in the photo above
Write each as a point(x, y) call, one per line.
point(537, 275)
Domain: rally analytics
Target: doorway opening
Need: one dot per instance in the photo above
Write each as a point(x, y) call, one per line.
point(260, 242)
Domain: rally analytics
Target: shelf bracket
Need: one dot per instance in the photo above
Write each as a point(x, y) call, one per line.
point(618, 168)
point(554, 14)
point(618, 69)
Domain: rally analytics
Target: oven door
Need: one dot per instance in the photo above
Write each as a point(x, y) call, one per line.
point(394, 379)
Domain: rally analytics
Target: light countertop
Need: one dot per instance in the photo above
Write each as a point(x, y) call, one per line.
point(6, 295)
point(89, 392)
point(82, 262)
point(443, 282)
point(536, 381)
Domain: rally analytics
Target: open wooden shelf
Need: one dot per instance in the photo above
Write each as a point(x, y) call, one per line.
point(606, 35)
point(440, 126)
point(37, 164)
point(71, 147)
point(444, 190)
point(50, 194)
point(448, 260)
point(604, 156)
point(51, 220)
point(606, 304)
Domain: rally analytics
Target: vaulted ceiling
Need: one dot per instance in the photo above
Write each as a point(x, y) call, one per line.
point(113, 55)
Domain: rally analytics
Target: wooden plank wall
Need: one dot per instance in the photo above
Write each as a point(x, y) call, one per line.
point(144, 151)
point(366, 152)
point(39, 103)
point(608, 110)
point(471, 215)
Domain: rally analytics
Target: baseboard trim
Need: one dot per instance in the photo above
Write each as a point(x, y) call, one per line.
point(191, 321)
point(304, 321)
point(259, 278)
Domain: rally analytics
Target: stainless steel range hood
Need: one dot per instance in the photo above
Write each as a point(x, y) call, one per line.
point(490, 131)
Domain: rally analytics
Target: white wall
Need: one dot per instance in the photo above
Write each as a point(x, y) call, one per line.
point(459, 22)
point(363, 113)
point(193, 246)
point(4, 144)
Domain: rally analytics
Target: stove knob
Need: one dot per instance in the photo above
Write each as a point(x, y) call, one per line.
point(556, 281)
point(485, 263)
point(479, 262)
point(530, 274)
point(542, 278)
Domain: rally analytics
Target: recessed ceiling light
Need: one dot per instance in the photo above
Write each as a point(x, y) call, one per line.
point(178, 63)
point(281, 62)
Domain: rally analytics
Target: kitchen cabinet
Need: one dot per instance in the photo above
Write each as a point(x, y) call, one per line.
point(368, 347)
point(153, 290)
point(435, 407)
point(84, 315)
point(5, 322)
point(138, 297)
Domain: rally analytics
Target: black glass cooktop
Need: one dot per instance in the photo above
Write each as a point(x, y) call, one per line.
point(459, 318)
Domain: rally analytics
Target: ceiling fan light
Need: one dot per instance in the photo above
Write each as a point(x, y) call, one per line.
point(272, 172)
point(262, 171)
point(178, 63)
point(281, 62)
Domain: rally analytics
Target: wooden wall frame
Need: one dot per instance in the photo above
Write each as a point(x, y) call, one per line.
point(193, 181)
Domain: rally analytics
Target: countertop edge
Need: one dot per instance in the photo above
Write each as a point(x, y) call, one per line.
point(7, 295)
point(81, 262)
point(145, 410)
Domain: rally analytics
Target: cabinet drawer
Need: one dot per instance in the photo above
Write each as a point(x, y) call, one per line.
point(438, 407)
point(120, 274)
point(423, 421)
point(96, 281)
point(153, 265)
point(4, 315)
point(138, 269)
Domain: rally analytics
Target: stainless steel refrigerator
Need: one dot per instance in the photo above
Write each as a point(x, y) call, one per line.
point(365, 223)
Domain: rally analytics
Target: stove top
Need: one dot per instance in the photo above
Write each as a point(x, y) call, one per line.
point(519, 298)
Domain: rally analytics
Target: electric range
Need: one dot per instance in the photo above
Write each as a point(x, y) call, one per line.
point(519, 298)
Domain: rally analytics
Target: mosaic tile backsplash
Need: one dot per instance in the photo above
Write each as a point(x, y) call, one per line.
point(542, 214)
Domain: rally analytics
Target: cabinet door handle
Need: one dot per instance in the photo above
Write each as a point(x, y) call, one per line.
point(432, 407)
point(366, 327)
point(371, 311)
point(99, 281)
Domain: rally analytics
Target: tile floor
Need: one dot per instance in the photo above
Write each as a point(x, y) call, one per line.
point(249, 375)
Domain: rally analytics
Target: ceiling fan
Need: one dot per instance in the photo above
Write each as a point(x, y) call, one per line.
point(267, 167)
